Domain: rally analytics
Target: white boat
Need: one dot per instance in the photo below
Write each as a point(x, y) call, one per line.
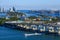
point(32, 34)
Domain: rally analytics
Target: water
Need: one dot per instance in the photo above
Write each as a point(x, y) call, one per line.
point(30, 13)
point(12, 34)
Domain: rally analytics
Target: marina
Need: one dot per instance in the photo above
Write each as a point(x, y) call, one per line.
point(36, 27)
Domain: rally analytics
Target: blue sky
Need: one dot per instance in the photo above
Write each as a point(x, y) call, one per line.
point(31, 4)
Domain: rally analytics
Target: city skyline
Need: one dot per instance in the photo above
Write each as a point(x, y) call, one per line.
point(30, 4)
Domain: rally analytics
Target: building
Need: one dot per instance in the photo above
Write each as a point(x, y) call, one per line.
point(12, 9)
point(2, 10)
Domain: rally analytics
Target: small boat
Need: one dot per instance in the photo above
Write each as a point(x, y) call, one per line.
point(32, 34)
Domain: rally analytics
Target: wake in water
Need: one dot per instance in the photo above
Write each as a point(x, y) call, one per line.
point(32, 34)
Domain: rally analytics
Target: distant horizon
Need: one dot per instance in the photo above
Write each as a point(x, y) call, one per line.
point(7, 8)
point(31, 4)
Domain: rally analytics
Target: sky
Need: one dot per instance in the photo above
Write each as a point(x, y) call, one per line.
point(30, 4)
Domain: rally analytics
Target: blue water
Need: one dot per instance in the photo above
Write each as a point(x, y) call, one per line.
point(12, 34)
point(30, 13)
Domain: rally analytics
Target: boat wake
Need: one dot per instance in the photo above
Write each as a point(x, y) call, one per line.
point(32, 34)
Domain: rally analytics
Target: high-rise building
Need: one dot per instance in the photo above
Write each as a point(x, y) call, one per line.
point(2, 9)
point(13, 8)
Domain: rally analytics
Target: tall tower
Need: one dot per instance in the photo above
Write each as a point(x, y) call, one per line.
point(2, 9)
point(13, 8)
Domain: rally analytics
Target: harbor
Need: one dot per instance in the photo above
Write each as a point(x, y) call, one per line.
point(38, 23)
point(29, 20)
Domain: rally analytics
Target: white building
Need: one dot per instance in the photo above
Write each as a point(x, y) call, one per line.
point(12, 9)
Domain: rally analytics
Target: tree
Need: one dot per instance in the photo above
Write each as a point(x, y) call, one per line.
point(13, 18)
point(32, 17)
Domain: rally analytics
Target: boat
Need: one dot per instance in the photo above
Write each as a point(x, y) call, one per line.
point(33, 34)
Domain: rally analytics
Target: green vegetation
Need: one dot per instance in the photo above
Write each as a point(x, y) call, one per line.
point(2, 20)
point(32, 17)
point(55, 19)
point(13, 19)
